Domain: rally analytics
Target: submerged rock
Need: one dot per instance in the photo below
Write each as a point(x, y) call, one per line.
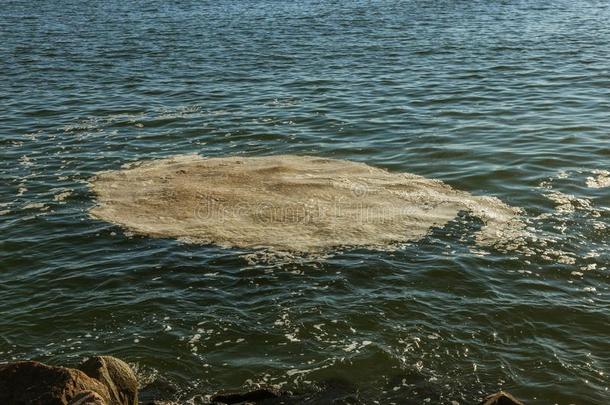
point(34, 383)
point(331, 392)
point(501, 398)
point(256, 396)
point(157, 392)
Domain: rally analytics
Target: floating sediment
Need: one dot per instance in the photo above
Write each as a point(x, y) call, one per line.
point(288, 203)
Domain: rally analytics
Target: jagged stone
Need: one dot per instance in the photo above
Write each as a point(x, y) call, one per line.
point(116, 375)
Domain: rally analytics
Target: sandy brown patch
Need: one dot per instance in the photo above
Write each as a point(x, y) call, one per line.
point(288, 203)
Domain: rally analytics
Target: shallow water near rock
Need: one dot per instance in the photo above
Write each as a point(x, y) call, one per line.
point(499, 100)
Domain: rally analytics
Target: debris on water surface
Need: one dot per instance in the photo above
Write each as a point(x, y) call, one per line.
point(288, 203)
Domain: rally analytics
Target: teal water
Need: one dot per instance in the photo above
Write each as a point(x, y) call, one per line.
point(502, 98)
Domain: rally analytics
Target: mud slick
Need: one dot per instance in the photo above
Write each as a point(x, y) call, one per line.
point(287, 203)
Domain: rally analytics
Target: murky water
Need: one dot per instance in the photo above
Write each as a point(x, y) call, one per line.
point(501, 99)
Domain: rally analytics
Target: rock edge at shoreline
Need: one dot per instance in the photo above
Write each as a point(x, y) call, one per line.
point(106, 380)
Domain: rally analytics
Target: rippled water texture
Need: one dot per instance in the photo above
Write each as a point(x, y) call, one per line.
point(500, 99)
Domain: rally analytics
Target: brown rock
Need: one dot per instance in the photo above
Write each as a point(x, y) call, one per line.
point(116, 375)
point(87, 398)
point(34, 383)
point(501, 398)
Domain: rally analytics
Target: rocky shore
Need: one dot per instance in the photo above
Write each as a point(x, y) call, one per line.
point(106, 380)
